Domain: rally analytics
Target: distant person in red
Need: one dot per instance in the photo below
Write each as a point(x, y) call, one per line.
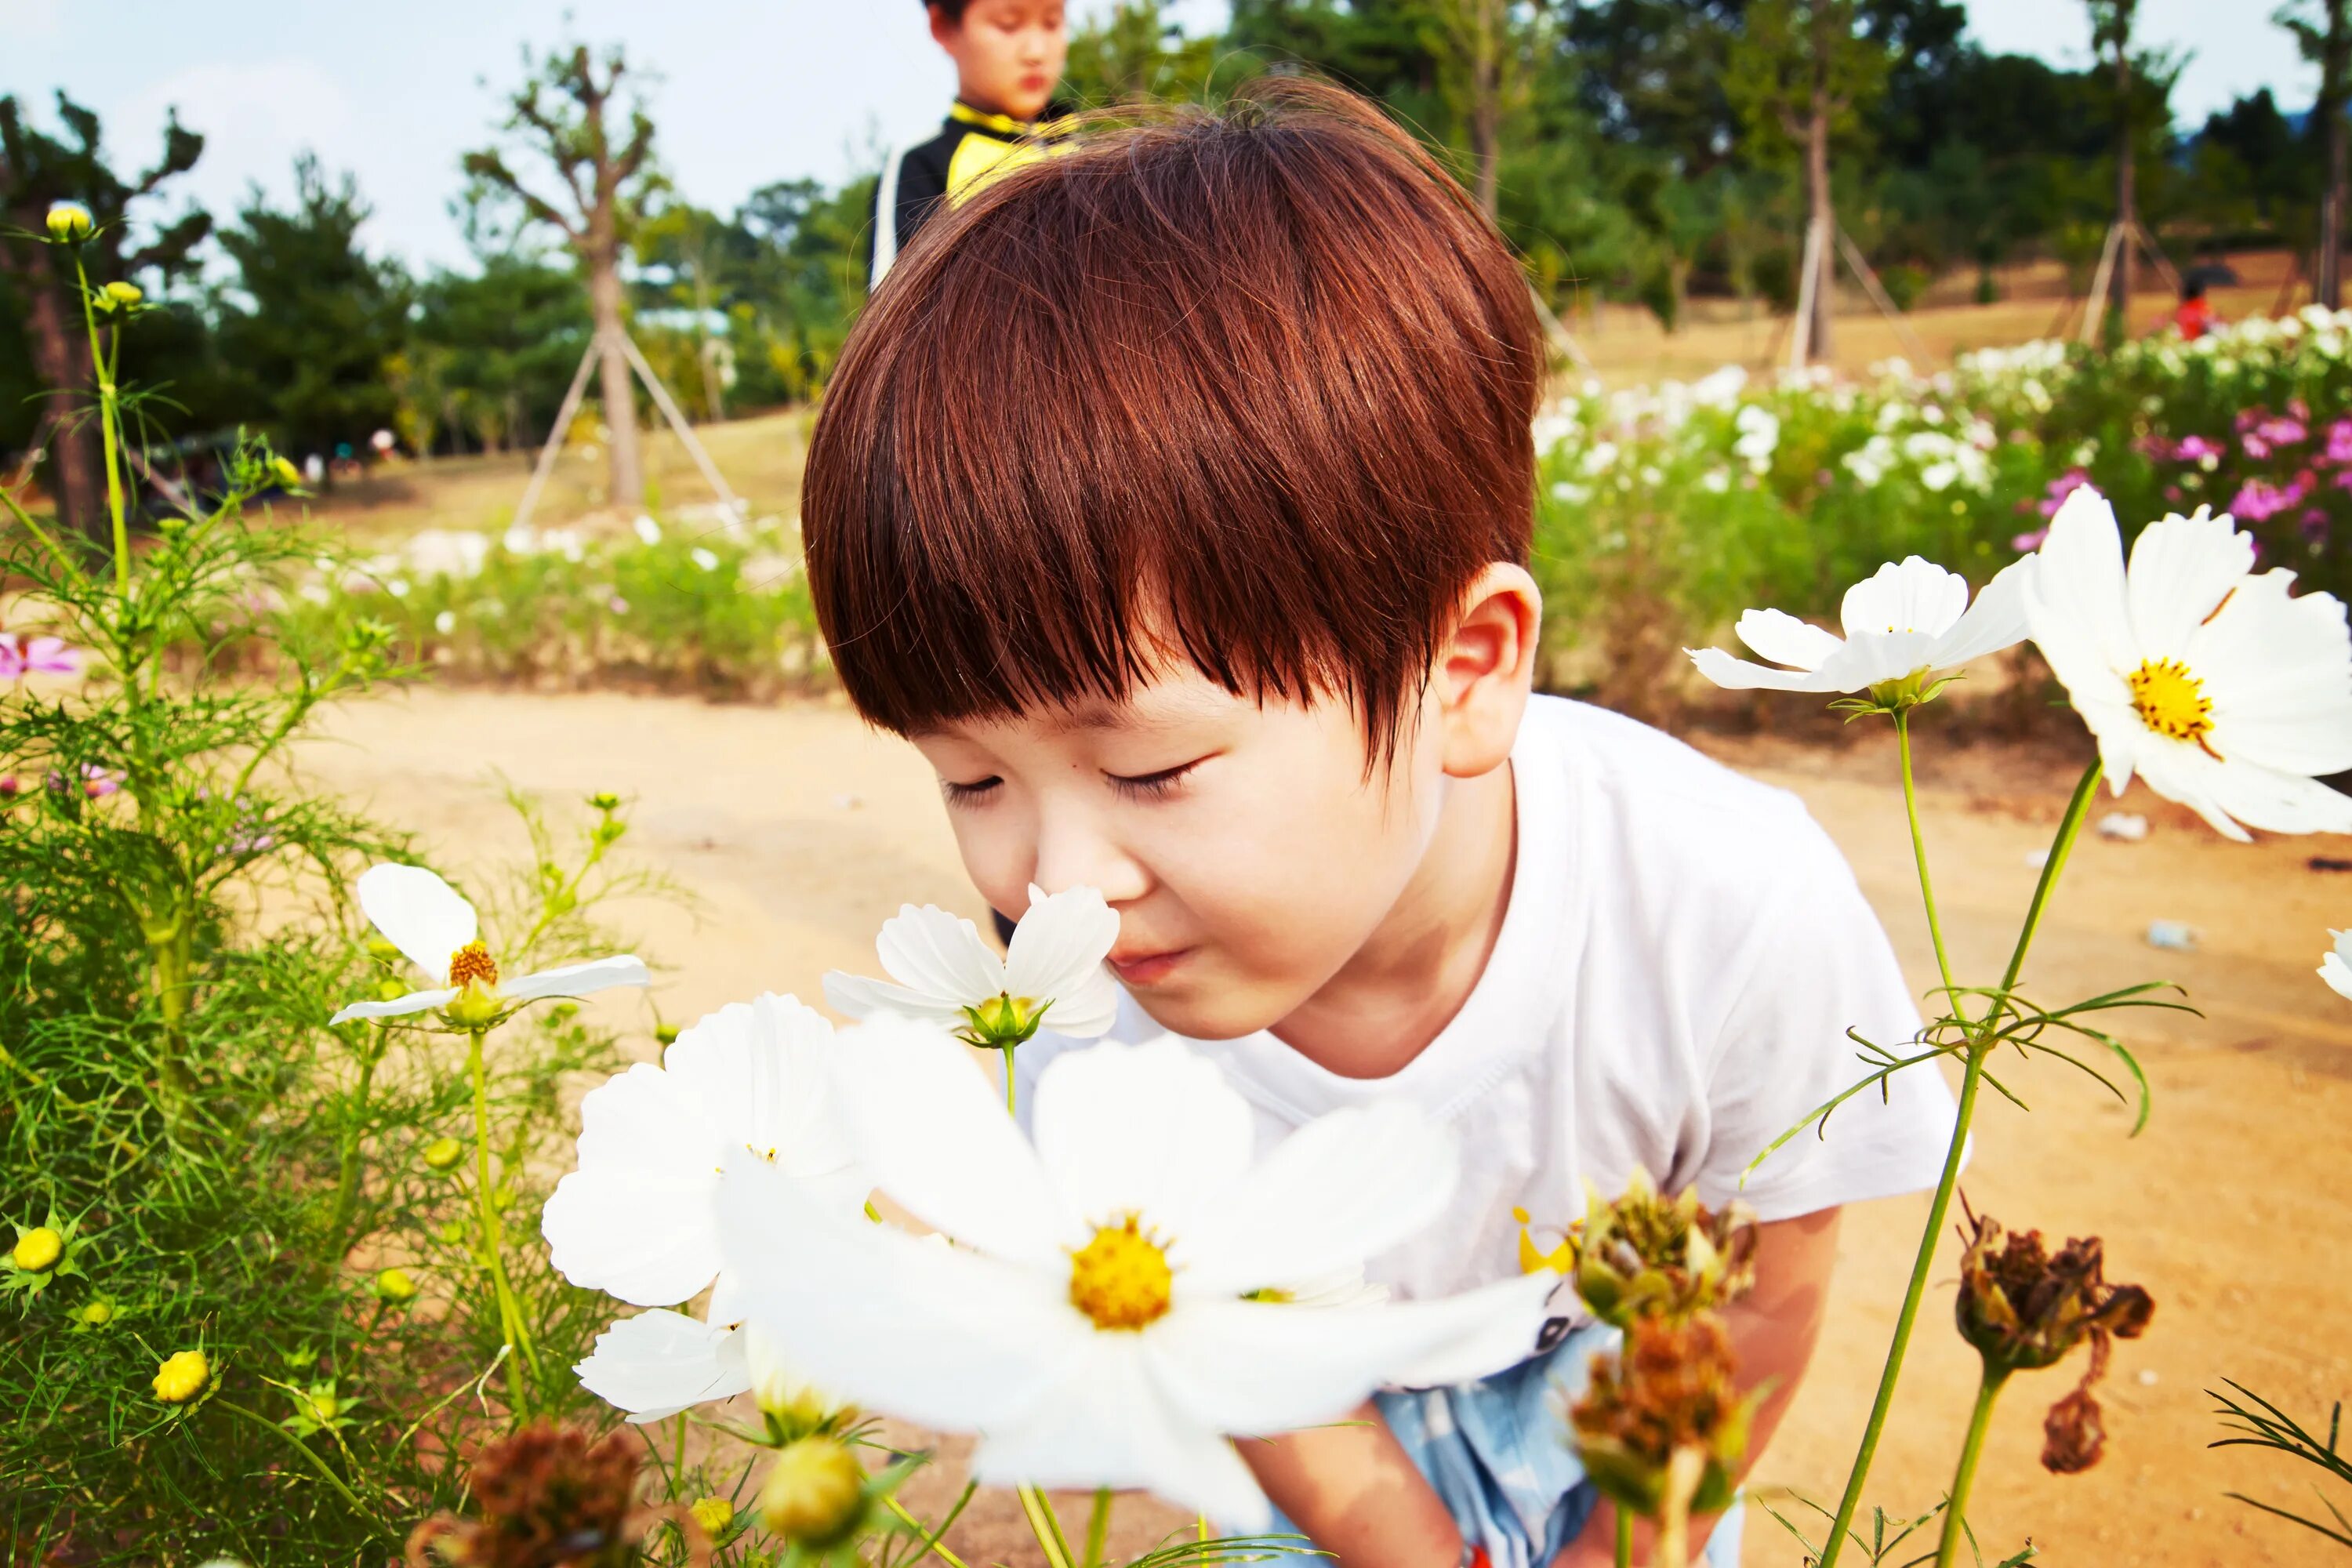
point(2195, 317)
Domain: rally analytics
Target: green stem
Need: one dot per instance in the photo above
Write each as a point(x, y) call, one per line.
point(510, 1322)
point(1978, 1045)
point(347, 1174)
point(1919, 856)
point(931, 1543)
point(325, 1472)
point(1956, 1506)
point(1624, 1536)
point(1097, 1527)
point(110, 401)
point(1039, 1511)
point(1009, 1109)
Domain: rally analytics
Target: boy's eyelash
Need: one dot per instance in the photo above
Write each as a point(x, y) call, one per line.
point(1152, 786)
point(968, 793)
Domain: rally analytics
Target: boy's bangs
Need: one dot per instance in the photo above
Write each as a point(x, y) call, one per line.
point(1252, 391)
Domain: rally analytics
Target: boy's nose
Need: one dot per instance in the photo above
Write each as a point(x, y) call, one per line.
point(1074, 856)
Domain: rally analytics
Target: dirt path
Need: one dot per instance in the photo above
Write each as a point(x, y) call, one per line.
point(800, 832)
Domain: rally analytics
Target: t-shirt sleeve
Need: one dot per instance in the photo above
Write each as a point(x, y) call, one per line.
point(1817, 965)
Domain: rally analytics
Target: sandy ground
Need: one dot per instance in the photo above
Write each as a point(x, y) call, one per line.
point(798, 831)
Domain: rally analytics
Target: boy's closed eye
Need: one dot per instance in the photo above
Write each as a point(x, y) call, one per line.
point(1154, 786)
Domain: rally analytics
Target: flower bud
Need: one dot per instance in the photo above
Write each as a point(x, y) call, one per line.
point(96, 1314)
point(665, 1034)
point(395, 1286)
point(443, 1154)
point(793, 1406)
point(604, 800)
point(38, 1249)
point(69, 222)
point(1644, 1256)
point(286, 473)
point(1665, 1405)
point(713, 1513)
point(119, 296)
point(813, 1496)
point(183, 1377)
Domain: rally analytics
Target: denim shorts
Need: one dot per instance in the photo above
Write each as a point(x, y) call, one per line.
point(1499, 1453)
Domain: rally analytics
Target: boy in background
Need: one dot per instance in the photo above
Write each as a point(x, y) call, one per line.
point(1008, 56)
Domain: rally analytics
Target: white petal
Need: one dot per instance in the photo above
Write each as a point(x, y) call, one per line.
point(2335, 971)
point(932, 1133)
point(1116, 1428)
point(1057, 952)
point(941, 955)
point(660, 1363)
point(1781, 637)
point(1251, 1367)
point(1346, 1187)
point(2278, 670)
point(2078, 588)
point(398, 1007)
point(2181, 569)
point(1149, 1130)
point(1996, 620)
point(1869, 657)
point(858, 997)
point(418, 913)
point(636, 1219)
point(577, 979)
point(760, 1071)
point(1916, 597)
point(1739, 675)
point(901, 1325)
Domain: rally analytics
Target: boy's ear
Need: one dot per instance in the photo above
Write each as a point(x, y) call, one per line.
point(943, 27)
point(1485, 669)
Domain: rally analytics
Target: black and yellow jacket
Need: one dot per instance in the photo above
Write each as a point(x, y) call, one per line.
point(971, 148)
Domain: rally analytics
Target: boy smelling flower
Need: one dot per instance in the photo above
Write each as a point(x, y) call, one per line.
point(1227, 614)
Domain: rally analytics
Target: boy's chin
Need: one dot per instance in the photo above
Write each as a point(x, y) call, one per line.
point(1223, 1013)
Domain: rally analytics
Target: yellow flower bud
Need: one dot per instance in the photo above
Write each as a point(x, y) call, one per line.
point(394, 1285)
point(713, 1513)
point(123, 294)
point(38, 1249)
point(443, 1153)
point(69, 222)
point(812, 1497)
point(285, 473)
point(183, 1377)
point(98, 1314)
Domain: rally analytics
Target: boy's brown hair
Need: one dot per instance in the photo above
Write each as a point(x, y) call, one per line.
point(1250, 389)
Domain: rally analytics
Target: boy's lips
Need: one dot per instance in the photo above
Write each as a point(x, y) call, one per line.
point(1141, 968)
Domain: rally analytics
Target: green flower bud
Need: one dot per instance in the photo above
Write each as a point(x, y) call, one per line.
point(395, 1286)
point(119, 296)
point(604, 800)
point(285, 473)
point(183, 1377)
point(814, 1495)
point(1003, 1022)
point(443, 1154)
point(69, 222)
point(38, 1249)
point(1647, 1256)
point(97, 1314)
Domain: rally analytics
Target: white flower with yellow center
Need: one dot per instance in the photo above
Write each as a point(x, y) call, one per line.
point(636, 1219)
point(2207, 679)
point(1092, 1322)
point(1051, 976)
point(655, 1364)
point(439, 932)
point(1902, 624)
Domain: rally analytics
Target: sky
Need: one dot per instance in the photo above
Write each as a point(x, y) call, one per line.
point(744, 91)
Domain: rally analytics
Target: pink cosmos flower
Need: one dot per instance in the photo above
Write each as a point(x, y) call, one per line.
point(2339, 442)
point(2258, 500)
point(2253, 444)
point(21, 657)
point(2196, 449)
point(2282, 432)
point(2060, 488)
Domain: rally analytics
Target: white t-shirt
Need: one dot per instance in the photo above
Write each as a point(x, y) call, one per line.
point(1683, 954)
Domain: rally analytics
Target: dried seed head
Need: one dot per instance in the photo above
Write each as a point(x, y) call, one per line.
point(1670, 1390)
point(1646, 1255)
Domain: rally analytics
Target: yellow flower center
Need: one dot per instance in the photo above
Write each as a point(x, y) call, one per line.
point(1121, 1278)
point(38, 1249)
point(183, 1377)
point(472, 964)
point(2170, 701)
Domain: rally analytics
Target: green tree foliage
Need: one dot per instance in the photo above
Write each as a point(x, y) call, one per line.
point(311, 322)
point(490, 353)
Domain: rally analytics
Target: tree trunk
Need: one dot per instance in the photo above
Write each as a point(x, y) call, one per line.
point(76, 475)
point(1825, 220)
point(2330, 291)
point(628, 482)
point(1486, 102)
point(2127, 199)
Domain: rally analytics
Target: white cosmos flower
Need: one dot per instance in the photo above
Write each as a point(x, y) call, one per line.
point(432, 923)
point(1091, 1324)
point(1900, 622)
point(2337, 967)
point(1051, 976)
point(657, 1363)
point(636, 1219)
point(2206, 678)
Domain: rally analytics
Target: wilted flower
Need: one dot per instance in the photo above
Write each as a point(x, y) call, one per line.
point(2208, 680)
point(1643, 1255)
point(428, 921)
point(1092, 1322)
point(183, 1377)
point(544, 1495)
point(1902, 624)
point(2023, 1308)
point(69, 222)
point(1663, 1425)
point(1051, 976)
point(21, 656)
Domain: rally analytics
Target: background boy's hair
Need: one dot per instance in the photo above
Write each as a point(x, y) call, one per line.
point(951, 9)
point(1247, 389)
